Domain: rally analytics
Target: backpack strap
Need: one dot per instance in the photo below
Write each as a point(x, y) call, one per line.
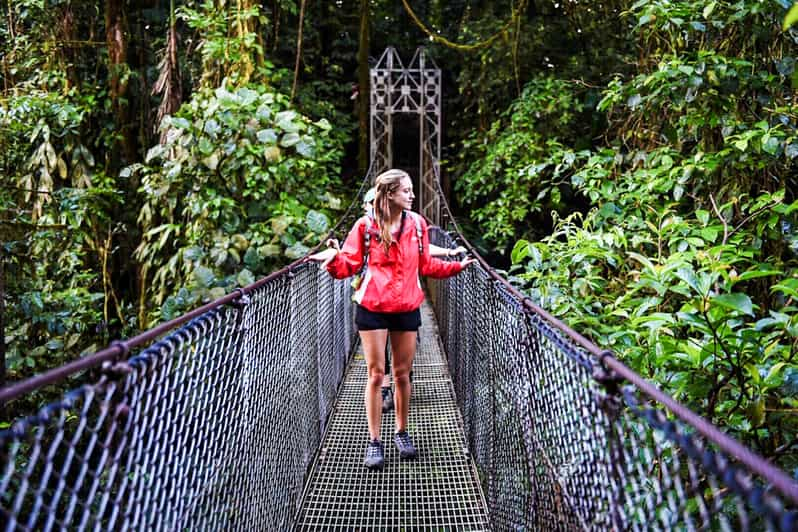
point(367, 241)
point(419, 232)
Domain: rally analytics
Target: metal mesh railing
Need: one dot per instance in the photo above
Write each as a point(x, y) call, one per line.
point(561, 445)
point(213, 427)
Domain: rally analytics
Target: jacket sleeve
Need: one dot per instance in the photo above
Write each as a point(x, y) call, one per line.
point(431, 266)
point(349, 260)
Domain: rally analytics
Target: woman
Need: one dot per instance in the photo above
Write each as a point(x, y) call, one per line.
point(389, 297)
point(435, 251)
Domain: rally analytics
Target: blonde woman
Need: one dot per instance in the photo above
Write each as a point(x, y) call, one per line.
point(435, 251)
point(389, 297)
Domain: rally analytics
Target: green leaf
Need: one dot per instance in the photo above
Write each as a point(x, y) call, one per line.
point(193, 253)
point(789, 287)
point(217, 292)
point(708, 9)
point(203, 276)
point(54, 345)
point(773, 374)
point(245, 278)
point(289, 139)
point(688, 276)
point(247, 96)
point(180, 123)
point(791, 18)
point(753, 274)
point(735, 301)
point(296, 251)
point(205, 146)
point(520, 251)
point(264, 113)
point(285, 121)
point(306, 147)
point(267, 136)
point(252, 258)
point(317, 221)
point(269, 250)
point(280, 224)
point(212, 128)
point(642, 260)
point(324, 124)
point(211, 161)
point(154, 152)
point(88, 158)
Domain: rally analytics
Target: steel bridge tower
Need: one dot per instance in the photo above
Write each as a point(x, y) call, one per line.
point(415, 89)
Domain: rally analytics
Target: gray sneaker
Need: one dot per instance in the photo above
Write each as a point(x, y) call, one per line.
point(405, 445)
point(387, 399)
point(375, 458)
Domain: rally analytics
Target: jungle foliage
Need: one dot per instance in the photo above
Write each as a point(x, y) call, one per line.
point(635, 161)
point(665, 186)
point(145, 175)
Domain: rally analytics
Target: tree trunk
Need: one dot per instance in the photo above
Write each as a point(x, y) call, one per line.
point(169, 83)
point(67, 34)
point(363, 87)
point(2, 327)
point(116, 37)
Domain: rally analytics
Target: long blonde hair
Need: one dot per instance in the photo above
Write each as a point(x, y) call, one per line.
point(386, 183)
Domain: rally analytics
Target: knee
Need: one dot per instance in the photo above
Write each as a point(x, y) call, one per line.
point(401, 375)
point(375, 376)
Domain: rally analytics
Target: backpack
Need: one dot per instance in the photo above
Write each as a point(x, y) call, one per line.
point(358, 280)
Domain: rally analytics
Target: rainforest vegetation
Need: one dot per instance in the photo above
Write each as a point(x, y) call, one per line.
point(631, 165)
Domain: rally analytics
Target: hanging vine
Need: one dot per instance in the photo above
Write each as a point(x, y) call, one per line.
point(466, 47)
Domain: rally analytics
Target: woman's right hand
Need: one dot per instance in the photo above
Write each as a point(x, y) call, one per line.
point(467, 261)
point(328, 254)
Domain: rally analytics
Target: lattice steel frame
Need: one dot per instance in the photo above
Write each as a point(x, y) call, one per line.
point(415, 90)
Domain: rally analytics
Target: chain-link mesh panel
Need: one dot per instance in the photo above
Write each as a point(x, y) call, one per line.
point(211, 428)
point(558, 450)
point(664, 477)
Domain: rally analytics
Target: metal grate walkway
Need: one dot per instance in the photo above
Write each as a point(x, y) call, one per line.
point(437, 491)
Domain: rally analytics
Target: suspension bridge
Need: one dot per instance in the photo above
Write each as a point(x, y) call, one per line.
point(247, 413)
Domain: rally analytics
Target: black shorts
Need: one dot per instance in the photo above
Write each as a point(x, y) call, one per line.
point(367, 320)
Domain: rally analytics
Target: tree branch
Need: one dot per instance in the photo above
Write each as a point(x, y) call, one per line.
point(298, 48)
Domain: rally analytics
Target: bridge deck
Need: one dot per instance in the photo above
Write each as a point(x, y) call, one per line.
point(437, 491)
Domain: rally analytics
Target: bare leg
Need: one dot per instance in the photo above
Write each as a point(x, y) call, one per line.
point(386, 380)
point(403, 344)
point(374, 351)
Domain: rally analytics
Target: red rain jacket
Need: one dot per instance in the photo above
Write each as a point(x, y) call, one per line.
point(391, 282)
